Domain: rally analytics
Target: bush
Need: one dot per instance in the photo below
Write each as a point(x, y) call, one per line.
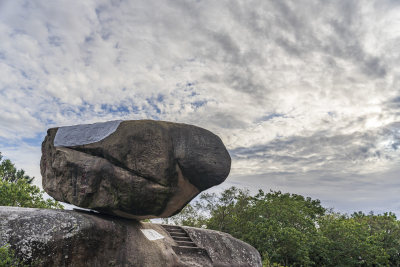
point(8, 258)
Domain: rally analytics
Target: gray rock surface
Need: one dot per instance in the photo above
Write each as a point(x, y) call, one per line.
point(225, 250)
point(71, 238)
point(133, 169)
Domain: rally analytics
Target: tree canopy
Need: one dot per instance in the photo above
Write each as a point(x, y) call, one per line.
point(292, 230)
point(9, 173)
point(16, 189)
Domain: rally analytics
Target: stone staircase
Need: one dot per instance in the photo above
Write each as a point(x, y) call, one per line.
point(186, 249)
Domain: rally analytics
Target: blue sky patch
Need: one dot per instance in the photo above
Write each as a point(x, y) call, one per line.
point(270, 117)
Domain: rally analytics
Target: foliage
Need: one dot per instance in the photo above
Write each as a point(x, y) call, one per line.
point(16, 189)
point(291, 230)
point(385, 229)
point(9, 173)
point(344, 241)
point(8, 258)
point(23, 194)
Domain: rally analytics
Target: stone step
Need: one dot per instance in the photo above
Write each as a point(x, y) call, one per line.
point(170, 227)
point(186, 244)
point(182, 238)
point(175, 234)
point(174, 230)
point(179, 250)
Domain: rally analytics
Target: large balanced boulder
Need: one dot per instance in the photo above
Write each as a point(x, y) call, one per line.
point(48, 238)
point(134, 169)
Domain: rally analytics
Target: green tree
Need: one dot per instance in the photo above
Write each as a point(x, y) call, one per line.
point(278, 225)
point(9, 173)
point(16, 189)
point(344, 241)
point(227, 210)
point(23, 194)
point(186, 216)
point(384, 228)
point(292, 230)
point(281, 226)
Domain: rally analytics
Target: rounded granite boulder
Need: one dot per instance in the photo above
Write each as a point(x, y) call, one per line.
point(134, 169)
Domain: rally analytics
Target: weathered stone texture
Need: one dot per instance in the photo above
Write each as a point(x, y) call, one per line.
point(223, 249)
point(71, 238)
point(133, 169)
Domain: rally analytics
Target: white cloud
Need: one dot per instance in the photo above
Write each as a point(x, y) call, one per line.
point(290, 86)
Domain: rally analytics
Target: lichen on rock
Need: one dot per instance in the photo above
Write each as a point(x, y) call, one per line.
point(133, 169)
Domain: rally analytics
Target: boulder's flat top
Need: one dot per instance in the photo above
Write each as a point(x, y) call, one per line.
point(84, 134)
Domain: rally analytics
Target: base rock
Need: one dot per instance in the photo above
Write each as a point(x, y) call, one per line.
point(72, 238)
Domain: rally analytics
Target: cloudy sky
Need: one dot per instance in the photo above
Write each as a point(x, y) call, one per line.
point(305, 94)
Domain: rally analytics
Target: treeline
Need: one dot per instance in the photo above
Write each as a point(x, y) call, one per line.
point(16, 189)
point(287, 229)
point(291, 230)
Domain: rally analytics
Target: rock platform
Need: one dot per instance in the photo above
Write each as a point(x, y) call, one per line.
point(80, 238)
